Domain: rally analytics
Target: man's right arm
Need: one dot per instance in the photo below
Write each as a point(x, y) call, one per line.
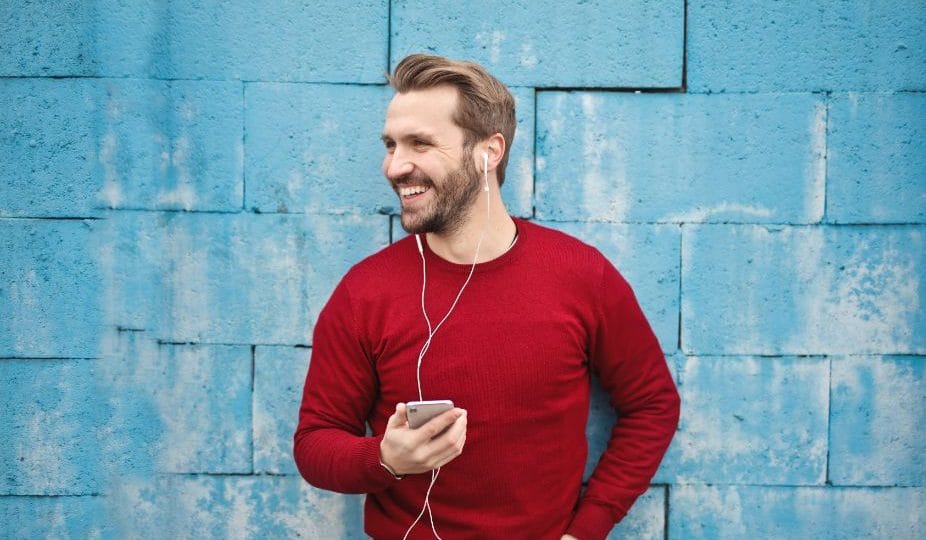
point(330, 445)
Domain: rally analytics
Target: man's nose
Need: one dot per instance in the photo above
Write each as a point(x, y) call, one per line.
point(397, 165)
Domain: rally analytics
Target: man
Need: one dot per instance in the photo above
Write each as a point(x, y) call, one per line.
point(505, 318)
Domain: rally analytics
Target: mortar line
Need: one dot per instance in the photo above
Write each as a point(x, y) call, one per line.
point(534, 164)
point(829, 424)
point(253, 365)
point(685, 48)
point(681, 272)
point(826, 151)
point(389, 37)
point(665, 512)
point(244, 139)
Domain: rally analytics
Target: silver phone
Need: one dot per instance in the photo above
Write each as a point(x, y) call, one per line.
point(419, 412)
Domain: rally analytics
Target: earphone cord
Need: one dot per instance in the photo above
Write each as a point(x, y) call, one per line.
point(427, 344)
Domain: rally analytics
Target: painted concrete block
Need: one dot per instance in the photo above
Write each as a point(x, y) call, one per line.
point(316, 148)
point(176, 408)
point(50, 415)
point(170, 145)
point(524, 43)
point(79, 145)
point(229, 278)
point(232, 507)
point(46, 39)
point(876, 158)
point(518, 189)
point(291, 40)
point(803, 290)
point(49, 289)
point(801, 512)
point(648, 257)
point(680, 158)
point(279, 376)
point(878, 414)
point(646, 519)
point(53, 517)
point(750, 421)
point(49, 144)
point(793, 46)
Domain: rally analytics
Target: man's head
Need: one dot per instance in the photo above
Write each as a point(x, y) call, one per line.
point(444, 115)
point(484, 105)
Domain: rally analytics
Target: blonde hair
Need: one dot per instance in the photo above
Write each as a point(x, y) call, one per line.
point(485, 105)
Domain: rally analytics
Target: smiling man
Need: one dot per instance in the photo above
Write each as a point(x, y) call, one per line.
point(503, 317)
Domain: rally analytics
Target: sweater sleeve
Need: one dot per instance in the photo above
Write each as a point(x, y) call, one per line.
point(331, 448)
point(624, 353)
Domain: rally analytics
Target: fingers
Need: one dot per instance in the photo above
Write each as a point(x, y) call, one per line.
point(448, 445)
point(399, 418)
point(439, 423)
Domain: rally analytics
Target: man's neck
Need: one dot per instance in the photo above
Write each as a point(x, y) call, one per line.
point(459, 246)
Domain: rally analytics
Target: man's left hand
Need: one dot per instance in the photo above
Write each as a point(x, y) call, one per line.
point(568, 537)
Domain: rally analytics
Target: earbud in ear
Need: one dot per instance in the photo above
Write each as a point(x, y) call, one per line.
point(485, 170)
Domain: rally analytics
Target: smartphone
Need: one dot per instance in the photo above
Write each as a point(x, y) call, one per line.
point(419, 412)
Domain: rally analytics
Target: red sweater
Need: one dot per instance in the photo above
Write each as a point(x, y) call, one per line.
point(516, 353)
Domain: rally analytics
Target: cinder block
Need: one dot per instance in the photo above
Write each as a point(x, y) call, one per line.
point(680, 158)
point(53, 517)
point(46, 39)
point(877, 419)
point(231, 278)
point(801, 512)
point(316, 148)
point(638, 45)
point(750, 421)
point(50, 415)
point(75, 146)
point(648, 257)
point(786, 47)
point(232, 507)
point(290, 40)
point(49, 289)
point(170, 145)
point(279, 376)
point(876, 158)
point(49, 144)
point(181, 408)
point(518, 189)
point(803, 290)
point(646, 519)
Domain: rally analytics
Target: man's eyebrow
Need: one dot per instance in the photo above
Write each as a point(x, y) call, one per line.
point(414, 135)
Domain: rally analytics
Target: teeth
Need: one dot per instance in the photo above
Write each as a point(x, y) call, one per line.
point(413, 190)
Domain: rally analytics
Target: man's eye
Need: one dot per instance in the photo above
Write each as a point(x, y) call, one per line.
point(419, 142)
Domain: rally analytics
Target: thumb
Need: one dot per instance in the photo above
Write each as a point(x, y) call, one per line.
point(399, 418)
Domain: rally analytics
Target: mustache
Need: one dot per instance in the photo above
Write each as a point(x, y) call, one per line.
point(413, 179)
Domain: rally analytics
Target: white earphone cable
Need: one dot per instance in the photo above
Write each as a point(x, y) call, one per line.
point(427, 343)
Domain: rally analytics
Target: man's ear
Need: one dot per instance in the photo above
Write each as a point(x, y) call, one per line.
point(494, 146)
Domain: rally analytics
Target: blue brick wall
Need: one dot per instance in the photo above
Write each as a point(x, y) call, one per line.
point(182, 185)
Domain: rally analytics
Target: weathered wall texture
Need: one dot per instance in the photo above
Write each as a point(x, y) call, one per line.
point(183, 183)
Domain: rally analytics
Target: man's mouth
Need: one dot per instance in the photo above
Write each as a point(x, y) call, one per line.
point(409, 192)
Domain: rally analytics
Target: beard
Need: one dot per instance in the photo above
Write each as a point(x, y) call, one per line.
point(452, 198)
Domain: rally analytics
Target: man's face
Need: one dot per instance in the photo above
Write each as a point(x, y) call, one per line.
point(434, 176)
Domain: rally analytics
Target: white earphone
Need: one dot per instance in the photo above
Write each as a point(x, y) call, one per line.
point(432, 329)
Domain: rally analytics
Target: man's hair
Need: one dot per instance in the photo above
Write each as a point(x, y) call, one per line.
point(485, 105)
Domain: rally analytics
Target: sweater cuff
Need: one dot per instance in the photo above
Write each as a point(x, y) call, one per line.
point(591, 522)
point(368, 456)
